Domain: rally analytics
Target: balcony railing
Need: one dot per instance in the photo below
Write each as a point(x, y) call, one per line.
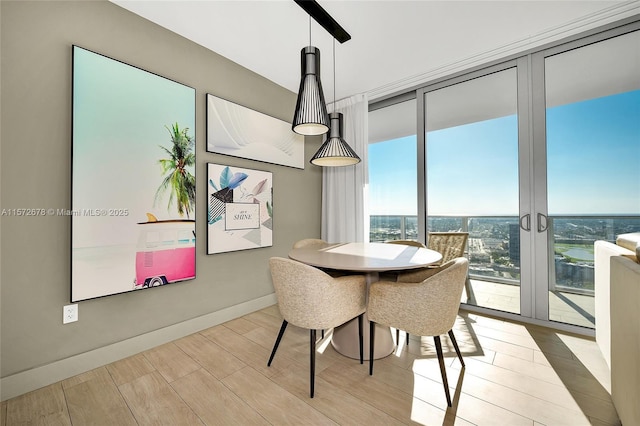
point(494, 244)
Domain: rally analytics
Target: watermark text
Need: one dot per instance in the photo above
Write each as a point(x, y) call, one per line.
point(65, 212)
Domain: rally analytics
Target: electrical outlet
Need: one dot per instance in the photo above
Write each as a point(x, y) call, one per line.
point(69, 313)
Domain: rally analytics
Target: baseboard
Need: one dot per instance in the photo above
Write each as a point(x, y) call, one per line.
point(29, 380)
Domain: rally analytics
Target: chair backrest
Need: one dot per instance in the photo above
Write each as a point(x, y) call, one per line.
point(449, 244)
point(310, 298)
point(310, 242)
point(406, 243)
point(428, 308)
point(444, 291)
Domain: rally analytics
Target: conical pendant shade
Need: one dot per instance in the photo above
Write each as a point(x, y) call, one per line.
point(335, 151)
point(310, 117)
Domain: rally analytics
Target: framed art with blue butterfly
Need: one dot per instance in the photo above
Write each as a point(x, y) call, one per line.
point(239, 208)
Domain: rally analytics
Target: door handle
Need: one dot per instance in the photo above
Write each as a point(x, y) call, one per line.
point(522, 226)
point(542, 227)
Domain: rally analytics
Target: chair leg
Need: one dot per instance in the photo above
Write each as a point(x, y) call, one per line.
point(322, 333)
point(442, 369)
point(455, 345)
point(275, 346)
point(372, 335)
point(312, 359)
point(471, 297)
point(406, 342)
point(360, 333)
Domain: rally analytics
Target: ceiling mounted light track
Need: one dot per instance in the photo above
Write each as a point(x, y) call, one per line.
point(324, 19)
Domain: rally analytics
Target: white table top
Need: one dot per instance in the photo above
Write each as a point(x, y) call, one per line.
point(366, 257)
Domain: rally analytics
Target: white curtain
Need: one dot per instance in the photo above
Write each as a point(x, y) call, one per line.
point(345, 216)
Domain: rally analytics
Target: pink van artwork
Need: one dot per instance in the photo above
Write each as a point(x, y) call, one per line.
point(166, 252)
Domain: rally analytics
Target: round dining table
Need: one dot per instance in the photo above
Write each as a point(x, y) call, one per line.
point(369, 259)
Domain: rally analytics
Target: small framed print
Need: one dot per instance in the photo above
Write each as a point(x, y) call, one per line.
point(240, 208)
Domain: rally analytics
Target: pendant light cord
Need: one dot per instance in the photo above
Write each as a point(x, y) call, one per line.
point(334, 75)
point(334, 64)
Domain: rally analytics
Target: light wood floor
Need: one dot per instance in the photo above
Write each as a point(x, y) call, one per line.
point(515, 375)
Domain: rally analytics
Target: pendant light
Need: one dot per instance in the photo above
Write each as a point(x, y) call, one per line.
point(335, 151)
point(310, 116)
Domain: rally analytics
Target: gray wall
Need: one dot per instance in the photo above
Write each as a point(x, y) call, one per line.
point(35, 170)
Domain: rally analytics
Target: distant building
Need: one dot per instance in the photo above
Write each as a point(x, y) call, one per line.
point(574, 275)
point(514, 243)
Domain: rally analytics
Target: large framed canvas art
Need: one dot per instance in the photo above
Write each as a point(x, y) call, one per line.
point(238, 131)
point(240, 209)
point(133, 178)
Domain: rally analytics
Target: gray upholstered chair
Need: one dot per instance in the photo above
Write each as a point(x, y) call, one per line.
point(309, 298)
point(416, 276)
point(450, 245)
point(310, 242)
point(428, 308)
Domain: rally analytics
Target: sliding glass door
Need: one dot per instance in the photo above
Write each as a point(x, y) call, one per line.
point(472, 180)
point(592, 128)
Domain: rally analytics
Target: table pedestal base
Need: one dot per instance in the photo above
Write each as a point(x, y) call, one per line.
point(345, 340)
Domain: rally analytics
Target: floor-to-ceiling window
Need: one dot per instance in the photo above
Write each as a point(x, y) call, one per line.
point(536, 158)
point(472, 180)
point(393, 184)
point(592, 132)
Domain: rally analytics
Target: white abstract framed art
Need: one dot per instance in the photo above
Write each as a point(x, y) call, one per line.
point(239, 131)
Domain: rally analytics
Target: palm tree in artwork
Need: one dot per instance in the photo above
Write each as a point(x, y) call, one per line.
point(177, 178)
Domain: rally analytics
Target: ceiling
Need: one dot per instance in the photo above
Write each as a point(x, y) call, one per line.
point(395, 45)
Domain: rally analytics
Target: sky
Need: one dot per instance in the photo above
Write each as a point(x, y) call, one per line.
point(594, 156)
point(119, 118)
point(593, 164)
